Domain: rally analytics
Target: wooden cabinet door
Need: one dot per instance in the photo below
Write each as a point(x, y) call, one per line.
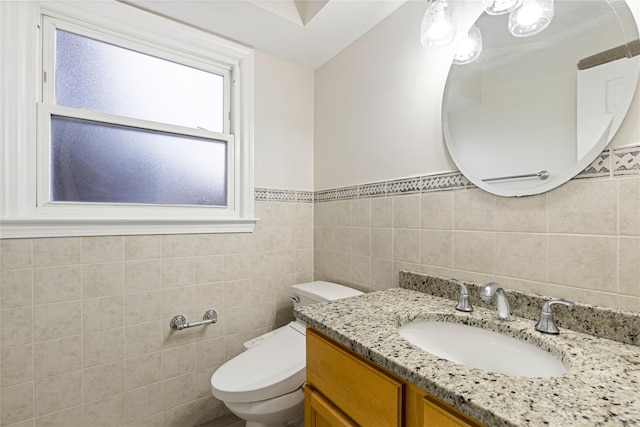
point(319, 412)
point(364, 393)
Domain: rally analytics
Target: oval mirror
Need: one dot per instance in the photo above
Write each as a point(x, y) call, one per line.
point(530, 113)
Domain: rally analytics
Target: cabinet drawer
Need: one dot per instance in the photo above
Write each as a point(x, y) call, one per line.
point(364, 393)
point(439, 414)
point(319, 412)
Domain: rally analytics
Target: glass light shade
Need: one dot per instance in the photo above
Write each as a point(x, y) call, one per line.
point(531, 18)
point(469, 48)
point(438, 27)
point(500, 7)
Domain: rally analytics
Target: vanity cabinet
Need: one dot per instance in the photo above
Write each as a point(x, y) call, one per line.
point(344, 389)
point(361, 392)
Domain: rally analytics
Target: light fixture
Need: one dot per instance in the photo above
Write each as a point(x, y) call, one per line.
point(438, 26)
point(500, 7)
point(531, 18)
point(469, 47)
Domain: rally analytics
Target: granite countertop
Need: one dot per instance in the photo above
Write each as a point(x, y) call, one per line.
point(601, 387)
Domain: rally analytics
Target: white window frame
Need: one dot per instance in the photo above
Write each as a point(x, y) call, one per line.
point(27, 105)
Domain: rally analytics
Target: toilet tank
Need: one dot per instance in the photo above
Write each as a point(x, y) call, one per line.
point(319, 291)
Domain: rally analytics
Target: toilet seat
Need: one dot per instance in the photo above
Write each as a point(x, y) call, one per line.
point(269, 369)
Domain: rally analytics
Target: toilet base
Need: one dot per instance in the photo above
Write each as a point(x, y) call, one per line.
point(298, 422)
point(253, 424)
point(282, 411)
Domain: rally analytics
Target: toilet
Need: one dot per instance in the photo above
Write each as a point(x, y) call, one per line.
point(263, 384)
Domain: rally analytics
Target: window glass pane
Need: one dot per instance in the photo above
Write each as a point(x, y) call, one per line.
point(97, 162)
point(106, 78)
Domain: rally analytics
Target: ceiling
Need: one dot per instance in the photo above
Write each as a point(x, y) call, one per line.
point(305, 32)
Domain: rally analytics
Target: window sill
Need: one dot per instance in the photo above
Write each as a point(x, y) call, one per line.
point(31, 228)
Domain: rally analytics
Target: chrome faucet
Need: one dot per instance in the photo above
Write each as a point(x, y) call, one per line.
point(463, 303)
point(502, 304)
point(546, 324)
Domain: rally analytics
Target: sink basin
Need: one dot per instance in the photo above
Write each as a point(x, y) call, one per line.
point(482, 349)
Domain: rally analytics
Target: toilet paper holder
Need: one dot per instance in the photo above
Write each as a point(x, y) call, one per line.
point(179, 322)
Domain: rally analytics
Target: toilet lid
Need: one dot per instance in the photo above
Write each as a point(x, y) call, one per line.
point(270, 369)
point(324, 291)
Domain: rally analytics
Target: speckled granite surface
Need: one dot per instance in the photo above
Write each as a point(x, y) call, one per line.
point(599, 321)
point(601, 388)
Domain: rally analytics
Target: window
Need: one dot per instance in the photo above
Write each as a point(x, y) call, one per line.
point(123, 152)
point(135, 131)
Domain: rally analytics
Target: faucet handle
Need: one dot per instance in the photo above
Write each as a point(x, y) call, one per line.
point(546, 324)
point(463, 303)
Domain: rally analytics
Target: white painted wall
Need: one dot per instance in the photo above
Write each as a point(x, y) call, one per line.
point(377, 109)
point(283, 124)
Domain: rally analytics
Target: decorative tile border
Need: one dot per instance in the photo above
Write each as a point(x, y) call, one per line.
point(404, 186)
point(600, 167)
point(445, 181)
point(261, 194)
point(626, 161)
point(377, 189)
point(347, 193)
point(325, 195)
point(265, 194)
point(412, 185)
point(305, 196)
point(611, 162)
point(282, 195)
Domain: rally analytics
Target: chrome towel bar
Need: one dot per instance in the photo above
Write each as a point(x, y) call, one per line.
point(179, 322)
point(542, 175)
